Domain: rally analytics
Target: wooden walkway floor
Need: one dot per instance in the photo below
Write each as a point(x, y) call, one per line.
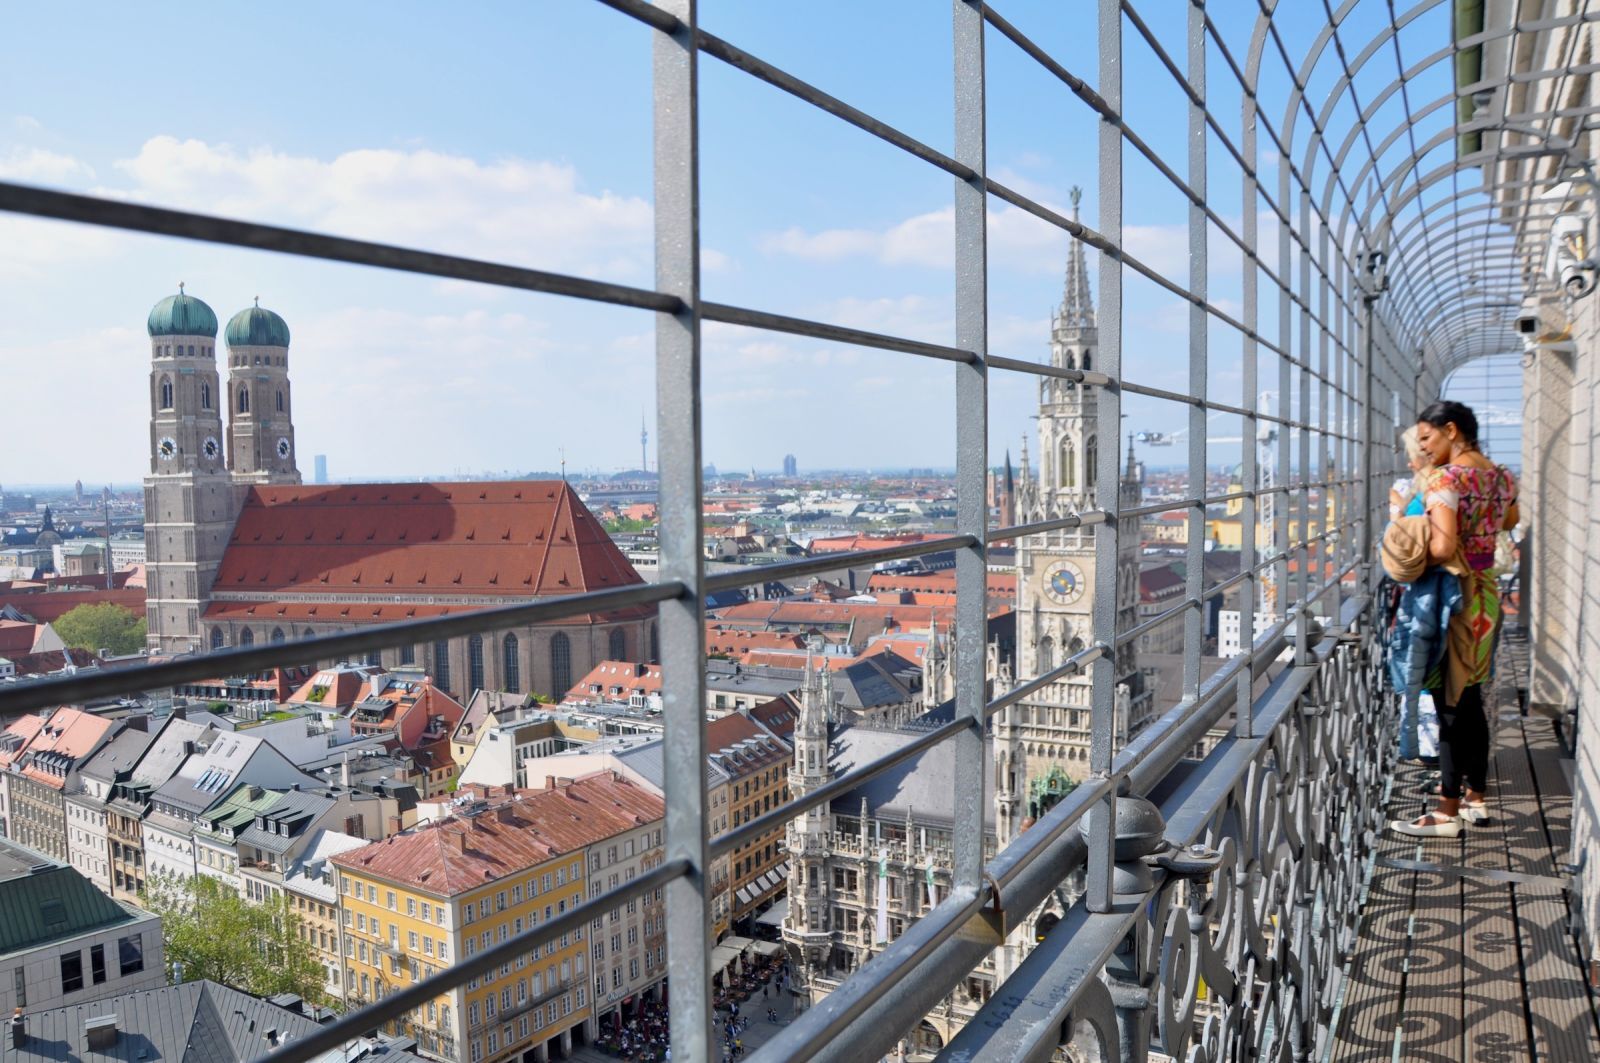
point(1465, 952)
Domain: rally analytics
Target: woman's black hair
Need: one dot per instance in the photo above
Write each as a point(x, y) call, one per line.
point(1459, 414)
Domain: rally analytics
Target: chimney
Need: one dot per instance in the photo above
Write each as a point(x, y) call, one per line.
point(549, 782)
point(394, 825)
point(19, 1030)
point(180, 712)
point(344, 769)
point(506, 814)
point(459, 839)
point(100, 1032)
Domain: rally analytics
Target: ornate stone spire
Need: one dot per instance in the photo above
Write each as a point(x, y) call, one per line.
point(1077, 306)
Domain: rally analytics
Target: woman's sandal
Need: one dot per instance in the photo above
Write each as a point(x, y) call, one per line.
point(1475, 812)
point(1428, 825)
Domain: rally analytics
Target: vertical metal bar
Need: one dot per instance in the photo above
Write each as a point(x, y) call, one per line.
point(1199, 271)
point(1249, 474)
point(677, 248)
point(1364, 493)
point(1307, 474)
point(1282, 502)
point(972, 437)
point(1108, 487)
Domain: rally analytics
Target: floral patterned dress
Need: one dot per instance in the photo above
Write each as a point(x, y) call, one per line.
point(1481, 498)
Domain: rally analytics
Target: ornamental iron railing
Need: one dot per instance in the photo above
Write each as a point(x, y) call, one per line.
point(1242, 873)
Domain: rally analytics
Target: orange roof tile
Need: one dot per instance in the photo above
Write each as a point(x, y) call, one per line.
point(514, 834)
point(632, 678)
point(69, 732)
point(382, 543)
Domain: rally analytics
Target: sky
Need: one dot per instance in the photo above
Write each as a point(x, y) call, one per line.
point(521, 132)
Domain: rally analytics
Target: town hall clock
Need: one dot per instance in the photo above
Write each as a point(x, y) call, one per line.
point(1064, 582)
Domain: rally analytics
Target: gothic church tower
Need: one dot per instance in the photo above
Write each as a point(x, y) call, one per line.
point(261, 436)
point(1049, 732)
point(188, 497)
point(807, 928)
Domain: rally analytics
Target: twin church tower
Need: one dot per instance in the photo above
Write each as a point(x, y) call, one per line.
point(200, 468)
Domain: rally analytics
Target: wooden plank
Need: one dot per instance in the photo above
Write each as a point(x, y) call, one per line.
point(1562, 1017)
point(1369, 1016)
point(1493, 1019)
point(1431, 1030)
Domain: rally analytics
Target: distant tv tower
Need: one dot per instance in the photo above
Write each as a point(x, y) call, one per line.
point(644, 440)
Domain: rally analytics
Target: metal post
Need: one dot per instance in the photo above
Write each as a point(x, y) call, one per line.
point(677, 249)
point(1108, 486)
point(972, 432)
point(1199, 319)
point(1364, 495)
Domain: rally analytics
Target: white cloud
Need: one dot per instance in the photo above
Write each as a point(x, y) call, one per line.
point(1018, 240)
point(525, 211)
point(27, 123)
point(39, 166)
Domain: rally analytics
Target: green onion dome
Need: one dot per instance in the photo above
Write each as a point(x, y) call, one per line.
point(181, 315)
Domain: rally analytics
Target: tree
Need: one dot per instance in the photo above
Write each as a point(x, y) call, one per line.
point(212, 932)
point(101, 627)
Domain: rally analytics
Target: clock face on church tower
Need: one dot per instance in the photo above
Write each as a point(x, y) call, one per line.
point(1064, 583)
point(283, 447)
point(167, 448)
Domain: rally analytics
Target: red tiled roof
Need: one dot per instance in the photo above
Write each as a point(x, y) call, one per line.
point(1154, 583)
point(631, 677)
point(868, 542)
point(382, 542)
point(52, 661)
point(70, 732)
point(723, 738)
point(516, 833)
point(24, 727)
point(778, 715)
point(17, 638)
point(47, 606)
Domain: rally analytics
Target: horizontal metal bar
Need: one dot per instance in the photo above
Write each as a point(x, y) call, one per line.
point(136, 217)
point(96, 683)
point(725, 843)
point(1073, 665)
point(798, 326)
point(649, 14)
point(724, 581)
point(1022, 365)
point(740, 59)
point(463, 968)
point(1086, 519)
point(1146, 626)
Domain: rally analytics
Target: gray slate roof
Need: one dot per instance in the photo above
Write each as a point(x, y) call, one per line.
point(872, 682)
point(646, 759)
point(925, 785)
point(119, 754)
point(197, 1022)
point(297, 809)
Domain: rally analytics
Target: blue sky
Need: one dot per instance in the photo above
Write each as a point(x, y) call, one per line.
point(522, 132)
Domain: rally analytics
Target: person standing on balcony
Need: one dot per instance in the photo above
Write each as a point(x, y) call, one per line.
point(1405, 500)
point(1468, 500)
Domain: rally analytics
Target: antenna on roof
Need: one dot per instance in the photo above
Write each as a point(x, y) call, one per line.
point(180, 287)
point(563, 464)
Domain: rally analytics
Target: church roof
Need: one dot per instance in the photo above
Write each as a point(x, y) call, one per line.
point(181, 315)
point(255, 326)
point(1077, 305)
point(383, 546)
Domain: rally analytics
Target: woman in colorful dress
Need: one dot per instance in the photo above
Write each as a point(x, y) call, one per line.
point(1469, 500)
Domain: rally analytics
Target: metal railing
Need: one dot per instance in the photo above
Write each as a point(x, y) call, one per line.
point(1266, 929)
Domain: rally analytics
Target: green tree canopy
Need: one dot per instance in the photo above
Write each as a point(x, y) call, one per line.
point(212, 932)
point(101, 627)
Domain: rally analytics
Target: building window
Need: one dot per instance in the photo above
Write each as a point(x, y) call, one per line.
point(280, 401)
point(244, 400)
point(97, 964)
point(247, 637)
point(205, 396)
point(277, 634)
point(71, 971)
point(130, 954)
point(560, 665)
point(408, 654)
point(166, 393)
point(216, 638)
point(510, 666)
point(441, 664)
point(20, 987)
point(1047, 655)
point(1068, 472)
point(474, 663)
point(619, 645)
point(1091, 454)
point(655, 644)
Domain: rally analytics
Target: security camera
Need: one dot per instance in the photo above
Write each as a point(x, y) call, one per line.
point(1527, 324)
point(1578, 279)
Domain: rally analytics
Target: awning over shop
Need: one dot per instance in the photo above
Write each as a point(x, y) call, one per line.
point(721, 957)
point(775, 915)
point(743, 893)
point(769, 948)
point(734, 941)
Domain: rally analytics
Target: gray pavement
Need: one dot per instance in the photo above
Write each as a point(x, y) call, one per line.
point(757, 1033)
